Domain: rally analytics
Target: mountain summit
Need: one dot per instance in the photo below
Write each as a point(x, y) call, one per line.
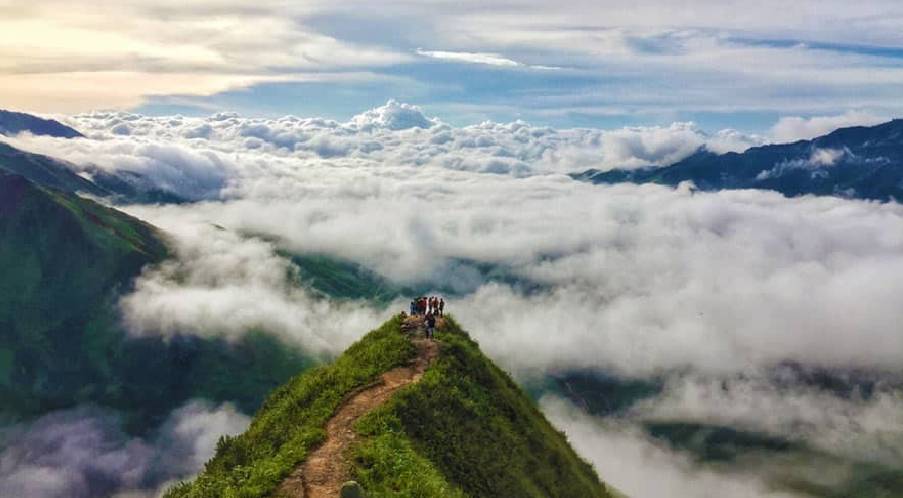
point(858, 162)
point(402, 416)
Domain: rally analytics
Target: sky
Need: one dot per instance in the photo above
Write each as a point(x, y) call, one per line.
point(608, 63)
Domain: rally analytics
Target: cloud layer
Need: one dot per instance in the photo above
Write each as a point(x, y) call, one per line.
point(225, 155)
point(708, 292)
point(635, 279)
point(83, 453)
point(639, 467)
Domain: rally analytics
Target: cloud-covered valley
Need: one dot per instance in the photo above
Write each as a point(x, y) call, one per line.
point(84, 452)
point(709, 293)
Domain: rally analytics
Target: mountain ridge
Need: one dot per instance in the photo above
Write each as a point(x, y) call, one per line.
point(464, 429)
point(118, 187)
point(13, 123)
point(65, 261)
point(859, 162)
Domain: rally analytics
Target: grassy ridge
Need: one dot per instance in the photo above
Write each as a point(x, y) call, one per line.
point(466, 429)
point(293, 418)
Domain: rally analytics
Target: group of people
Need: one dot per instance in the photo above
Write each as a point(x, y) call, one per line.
point(429, 308)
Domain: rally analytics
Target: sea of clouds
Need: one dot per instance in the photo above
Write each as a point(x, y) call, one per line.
point(84, 452)
point(709, 291)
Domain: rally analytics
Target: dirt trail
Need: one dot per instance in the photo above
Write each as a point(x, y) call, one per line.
point(324, 471)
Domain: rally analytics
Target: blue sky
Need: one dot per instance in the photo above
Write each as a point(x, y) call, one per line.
point(608, 63)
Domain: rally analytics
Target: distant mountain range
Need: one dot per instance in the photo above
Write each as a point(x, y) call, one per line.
point(13, 123)
point(858, 163)
point(125, 187)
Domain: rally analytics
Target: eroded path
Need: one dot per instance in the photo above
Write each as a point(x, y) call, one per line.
point(326, 468)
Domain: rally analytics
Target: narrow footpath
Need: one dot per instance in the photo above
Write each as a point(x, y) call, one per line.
point(326, 468)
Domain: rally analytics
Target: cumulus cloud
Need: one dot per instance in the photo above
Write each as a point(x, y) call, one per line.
point(628, 460)
point(657, 146)
point(790, 129)
point(83, 453)
point(393, 116)
point(224, 284)
point(198, 158)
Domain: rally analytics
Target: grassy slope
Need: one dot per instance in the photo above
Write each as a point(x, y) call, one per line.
point(293, 418)
point(60, 257)
point(465, 430)
point(64, 260)
point(45, 171)
point(340, 279)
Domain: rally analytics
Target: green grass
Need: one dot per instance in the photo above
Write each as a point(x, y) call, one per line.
point(466, 429)
point(387, 464)
point(292, 420)
point(341, 279)
point(64, 262)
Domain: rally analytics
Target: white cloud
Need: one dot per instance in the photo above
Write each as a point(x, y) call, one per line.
point(817, 160)
point(470, 57)
point(625, 458)
point(790, 129)
point(56, 59)
point(651, 56)
point(82, 453)
point(865, 429)
point(393, 116)
point(222, 284)
point(638, 281)
point(196, 157)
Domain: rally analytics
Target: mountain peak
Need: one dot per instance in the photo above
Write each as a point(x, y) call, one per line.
point(418, 418)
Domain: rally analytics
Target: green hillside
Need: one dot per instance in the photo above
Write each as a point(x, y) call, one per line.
point(65, 260)
point(45, 171)
point(465, 429)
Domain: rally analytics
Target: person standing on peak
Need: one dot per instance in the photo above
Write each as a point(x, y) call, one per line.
point(441, 307)
point(430, 325)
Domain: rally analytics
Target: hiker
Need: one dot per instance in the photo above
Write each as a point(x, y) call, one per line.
point(413, 308)
point(430, 325)
point(441, 307)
